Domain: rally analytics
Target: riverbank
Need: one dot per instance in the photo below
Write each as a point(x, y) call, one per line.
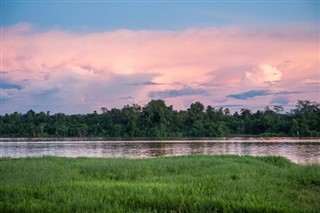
point(248, 138)
point(194, 183)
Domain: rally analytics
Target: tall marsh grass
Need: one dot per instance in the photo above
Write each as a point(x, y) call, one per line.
point(195, 183)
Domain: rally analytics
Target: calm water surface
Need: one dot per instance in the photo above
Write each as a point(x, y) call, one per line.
point(299, 151)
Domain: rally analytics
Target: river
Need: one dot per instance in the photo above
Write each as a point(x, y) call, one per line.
point(302, 151)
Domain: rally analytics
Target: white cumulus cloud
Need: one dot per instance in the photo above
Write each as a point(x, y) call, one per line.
point(264, 74)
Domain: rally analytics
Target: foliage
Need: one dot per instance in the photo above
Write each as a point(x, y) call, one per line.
point(156, 119)
point(176, 184)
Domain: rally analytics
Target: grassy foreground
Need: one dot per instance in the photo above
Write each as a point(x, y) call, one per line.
point(173, 184)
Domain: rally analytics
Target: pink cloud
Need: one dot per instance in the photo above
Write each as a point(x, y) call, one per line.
point(77, 63)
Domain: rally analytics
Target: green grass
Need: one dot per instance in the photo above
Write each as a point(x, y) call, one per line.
point(172, 184)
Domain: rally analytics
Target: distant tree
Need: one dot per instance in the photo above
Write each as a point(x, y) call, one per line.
point(131, 120)
point(307, 114)
point(157, 118)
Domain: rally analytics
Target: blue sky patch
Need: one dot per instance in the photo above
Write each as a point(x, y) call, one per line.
point(176, 93)
point(5, 85)
point(249, 94)
point(255, 93)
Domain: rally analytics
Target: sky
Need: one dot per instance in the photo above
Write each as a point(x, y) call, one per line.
point(78, 56)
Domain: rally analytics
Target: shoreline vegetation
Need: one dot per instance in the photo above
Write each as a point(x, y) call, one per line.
point(196, 183)
point(157, 120)
point(256, 138)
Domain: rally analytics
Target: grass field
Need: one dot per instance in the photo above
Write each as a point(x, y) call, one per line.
point(172, 184)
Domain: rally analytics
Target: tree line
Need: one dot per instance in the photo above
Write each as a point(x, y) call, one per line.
point(156, 119)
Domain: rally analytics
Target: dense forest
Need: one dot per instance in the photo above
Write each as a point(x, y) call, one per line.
point(156, 119)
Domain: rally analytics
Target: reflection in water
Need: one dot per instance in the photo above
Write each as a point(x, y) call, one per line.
point(299, 152)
